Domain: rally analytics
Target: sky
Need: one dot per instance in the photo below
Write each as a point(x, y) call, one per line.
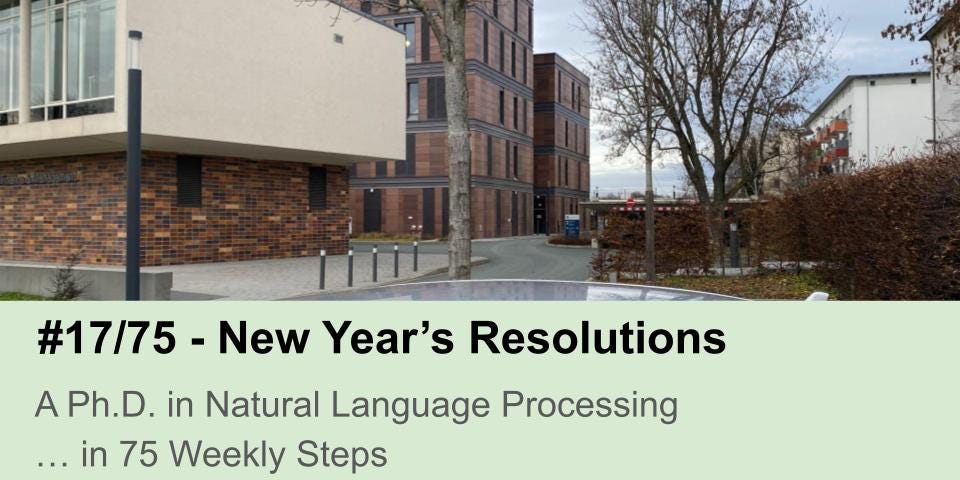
point(860, 50)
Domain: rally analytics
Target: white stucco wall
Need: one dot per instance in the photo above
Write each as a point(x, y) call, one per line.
point(256, 78)
point(888, 121)
point(946, 91)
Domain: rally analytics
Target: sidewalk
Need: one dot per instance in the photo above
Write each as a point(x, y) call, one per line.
point(280, 279)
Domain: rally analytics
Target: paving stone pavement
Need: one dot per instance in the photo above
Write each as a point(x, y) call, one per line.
point(281, 279)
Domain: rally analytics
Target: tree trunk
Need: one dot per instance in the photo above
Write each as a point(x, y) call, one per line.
point(458, 146)
point(648, 216)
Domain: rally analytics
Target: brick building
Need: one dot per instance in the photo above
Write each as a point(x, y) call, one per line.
point(411, 196)
point(249, 127)
point(562, 141)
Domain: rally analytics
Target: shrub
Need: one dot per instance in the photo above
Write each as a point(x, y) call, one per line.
point(574, 242)
point(888, 233)
point(66, 284)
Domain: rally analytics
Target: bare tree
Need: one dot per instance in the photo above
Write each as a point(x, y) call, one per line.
point(447, 21)
point(632, 121)
point(720, 71)
point(925, 15)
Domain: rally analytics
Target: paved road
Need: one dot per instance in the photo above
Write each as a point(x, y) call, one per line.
point(526, 258)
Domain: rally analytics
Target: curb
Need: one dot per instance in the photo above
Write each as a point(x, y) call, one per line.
point(574, 247)
point(479, 261)
point(382, 242)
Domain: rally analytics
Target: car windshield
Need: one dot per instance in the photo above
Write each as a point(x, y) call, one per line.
point(508, 290)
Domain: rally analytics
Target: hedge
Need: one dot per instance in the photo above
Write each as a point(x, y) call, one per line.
point(682, 243)
point(889, 233)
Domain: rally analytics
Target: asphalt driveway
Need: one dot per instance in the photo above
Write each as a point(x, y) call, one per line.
point(523, 258)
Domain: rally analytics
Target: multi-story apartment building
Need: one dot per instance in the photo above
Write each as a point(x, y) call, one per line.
point(562, 141)
point(411, 196)
point(253, 112)
point(945, 130)
point(871, 119)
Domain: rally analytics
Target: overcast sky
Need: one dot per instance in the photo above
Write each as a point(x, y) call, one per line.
point(860, 50)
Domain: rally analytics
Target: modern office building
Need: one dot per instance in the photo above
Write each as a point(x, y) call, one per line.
point(253, 112)
point(871, 119)
point(562, 142)
point(411, 196)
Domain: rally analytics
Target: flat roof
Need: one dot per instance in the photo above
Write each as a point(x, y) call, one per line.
point(846, 83)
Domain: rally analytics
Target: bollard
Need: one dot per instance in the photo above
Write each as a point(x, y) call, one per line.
point(374, 264)
point(396, 260)
point(323, 269)
point(416, 256)
point(350, 267)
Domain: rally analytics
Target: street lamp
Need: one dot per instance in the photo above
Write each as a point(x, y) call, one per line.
point(134, 131)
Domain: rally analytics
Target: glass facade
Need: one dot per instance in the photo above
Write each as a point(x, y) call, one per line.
point(9, 60)
point(72, 58)
point(73, 64)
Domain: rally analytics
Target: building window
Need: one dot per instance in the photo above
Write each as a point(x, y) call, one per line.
point(318, 188)
point(516, 161)
point(413, 100)
point(436, 98)
point(486, 42)
point(506, 159)
point(9, 61)
point(513, 59)
point(530, 24)
point(366, 6)
point(566, 172)
point(72, 58)
point(503, 52)
point(489, 155)
point(566, 133)
point(524, 66)
point(516, 113)
point(189, 181)
point(516, 15)
point(496, 9)
point(408, 166)
point(559, 87)
point(502, 107)
point(425, 34)
point(380, 169)
point(525, 108)
point(410, 30)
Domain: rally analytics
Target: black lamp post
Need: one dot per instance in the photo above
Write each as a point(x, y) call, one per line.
point(134, 117)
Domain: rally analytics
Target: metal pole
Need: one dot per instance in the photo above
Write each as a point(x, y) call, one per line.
point(350, 267)
point(416, 256)
point(396, 260)
point(323, 269)
point(374, 264)
point(134, 116)
point(734, 246)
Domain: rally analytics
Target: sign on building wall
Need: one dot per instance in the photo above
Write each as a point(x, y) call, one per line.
point(39, 179)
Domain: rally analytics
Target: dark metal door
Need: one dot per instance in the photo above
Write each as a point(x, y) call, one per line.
point(429, 217)
point(514, 215)
point(372, 211)
point(540, 215)
point(498, 231)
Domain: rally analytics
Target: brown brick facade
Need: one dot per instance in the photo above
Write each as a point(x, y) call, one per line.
point(562, 140)
point(252, 210)
point(502, 151)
